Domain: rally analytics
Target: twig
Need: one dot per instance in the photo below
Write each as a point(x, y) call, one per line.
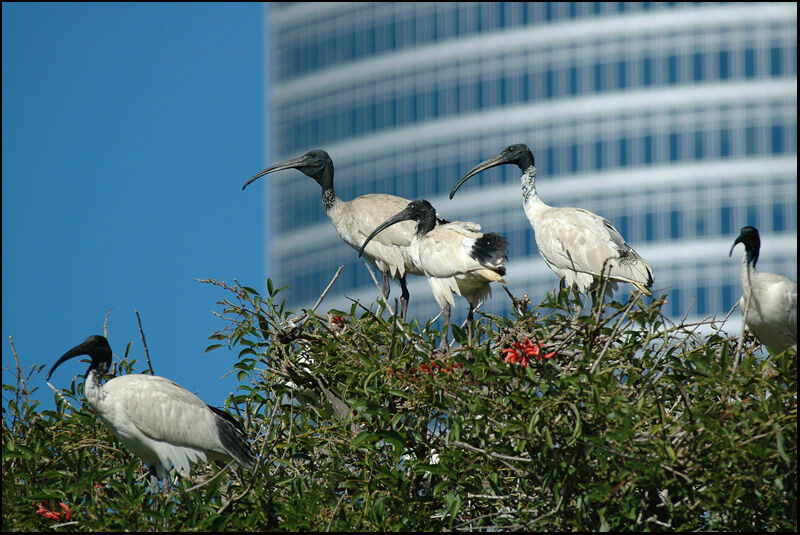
point(384, 298)
point(207, 481)
point(60, 395)
point(303, 315)
point(54, 526)
point(490, 453)
point(333, 514)
point(745, 310)
point(144, 343)
point(20, 379)
point(614, 331)
point(105, 322)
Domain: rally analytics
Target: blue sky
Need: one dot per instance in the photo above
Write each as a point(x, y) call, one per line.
point(128, 131)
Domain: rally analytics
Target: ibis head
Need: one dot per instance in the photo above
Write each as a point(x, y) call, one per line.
point(315, 163)
point(420, 211)
point(518, 154)
point(752, 243)
point(96, 347)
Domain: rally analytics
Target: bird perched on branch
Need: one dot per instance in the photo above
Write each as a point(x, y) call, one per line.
point(769, 301)
point(353, 220)
point(575, 243)
point(455, 257)
point(158, 420)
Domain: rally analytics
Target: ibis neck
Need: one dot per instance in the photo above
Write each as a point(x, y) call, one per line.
point(530, 199)
point(329, 198)
point(92, 388)
point(748, 271)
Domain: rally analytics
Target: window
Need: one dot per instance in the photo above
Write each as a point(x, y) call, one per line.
point(724, 143)
point(775, 61)
point(724, 65)
point(675, 224)
point(698, 67)
point(623, 151)
point(749, 63)
point(648, 149)
point(698, 145)
point(598, 155)
point(728, 296)
point(778, 219)
point(750, 142)
point(702, 302)
point(777, 139)
point(677, 307)
point(725, 220)
point(672, 69)
point(674, 147)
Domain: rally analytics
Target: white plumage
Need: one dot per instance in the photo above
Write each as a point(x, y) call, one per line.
point(575, 243)
point(455, 257)
point(156, 419)
point(769, 301)
point(354, 220)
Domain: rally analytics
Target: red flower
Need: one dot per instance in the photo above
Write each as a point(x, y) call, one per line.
point(44, 512)
point(521, 352)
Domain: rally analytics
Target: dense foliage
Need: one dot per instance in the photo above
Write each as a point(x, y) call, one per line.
point(616, 420)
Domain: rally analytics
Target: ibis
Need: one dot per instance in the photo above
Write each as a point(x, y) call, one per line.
point(454, 256)
point(353, 220)
point(575, 243)
point(158, 420)
point(769, 301)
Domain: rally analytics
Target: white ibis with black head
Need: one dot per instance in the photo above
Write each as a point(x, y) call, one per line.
point(575, 243)
point(455, 257)
point(158, 420)
point(769, 300)
point(353, 220)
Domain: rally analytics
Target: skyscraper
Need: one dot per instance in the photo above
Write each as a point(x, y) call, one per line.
point(675, 121)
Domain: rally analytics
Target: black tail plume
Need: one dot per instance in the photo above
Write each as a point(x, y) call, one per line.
point(491, 249)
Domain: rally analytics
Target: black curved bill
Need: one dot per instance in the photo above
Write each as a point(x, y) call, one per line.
point(494, 161)
point(76, 351)
point(737, 240)
point(404, 215)
point(294, 163)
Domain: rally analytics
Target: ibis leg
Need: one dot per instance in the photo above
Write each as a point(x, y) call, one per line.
point(579, 308)
point(443, 342)
point(385, 288)
point(403, 297)
point(153, 479)
point(470, 317)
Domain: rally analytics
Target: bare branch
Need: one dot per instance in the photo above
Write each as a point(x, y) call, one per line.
point(144, 343)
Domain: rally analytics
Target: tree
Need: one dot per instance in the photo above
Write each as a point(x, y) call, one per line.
point(618, 419)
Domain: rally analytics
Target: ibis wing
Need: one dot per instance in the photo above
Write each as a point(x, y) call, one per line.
point(164, 411)
point(444, 251)
point(388, 250)
point(576, 240)
point(780, 298)
point(367, 212)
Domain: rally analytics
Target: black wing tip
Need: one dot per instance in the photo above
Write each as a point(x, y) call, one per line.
point(233, 437)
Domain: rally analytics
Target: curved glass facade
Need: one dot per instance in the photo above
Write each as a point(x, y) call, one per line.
point(676, 121)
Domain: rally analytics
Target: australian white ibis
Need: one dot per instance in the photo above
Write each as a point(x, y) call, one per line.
point(575, 243)
point(455, 256)
point(353, 220)
point(158, 420)
point(769, 301)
